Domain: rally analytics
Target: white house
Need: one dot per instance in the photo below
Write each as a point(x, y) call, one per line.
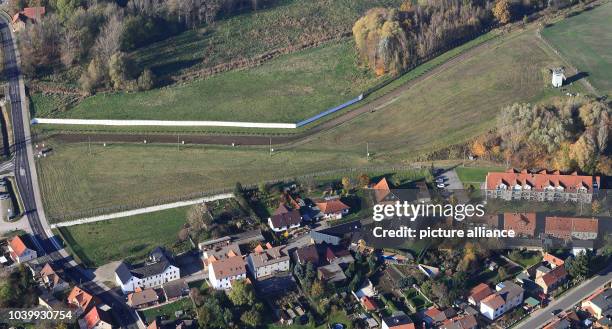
point(222, 273)
point(508, 295)
point(284, 219)
point(19, 251)
point(332, 209)
point(558, 75)
point(266, 262)
point(156, 271)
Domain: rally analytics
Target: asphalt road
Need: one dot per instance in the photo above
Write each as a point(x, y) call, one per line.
point(25, 176)
point(567, 301)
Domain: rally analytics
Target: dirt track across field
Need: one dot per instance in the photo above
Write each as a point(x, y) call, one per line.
point(375, 105)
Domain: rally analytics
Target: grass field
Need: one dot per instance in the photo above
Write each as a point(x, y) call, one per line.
point(286, 23)
point(475, 175)
point(446, 108)
point(74, 180)
point(586, 41)
point(167, 311)
point(287, 89)
point(128, 237)
point(453, 105)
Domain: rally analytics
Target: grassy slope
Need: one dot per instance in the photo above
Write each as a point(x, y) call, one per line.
point(453, 105)
point(135, 236)
point(286, 89)
point(72, 180)
point(586, 41)
point(287, 23)
point(446, 108)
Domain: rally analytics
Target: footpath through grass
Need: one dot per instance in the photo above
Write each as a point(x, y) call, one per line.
point(586, 41)
point(129, 238)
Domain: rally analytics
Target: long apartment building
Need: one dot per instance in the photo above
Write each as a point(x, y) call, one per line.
point(541, 186)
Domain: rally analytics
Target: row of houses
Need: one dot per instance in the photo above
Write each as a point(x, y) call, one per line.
point(286, 218)
point(541, 186)
point(564, 228)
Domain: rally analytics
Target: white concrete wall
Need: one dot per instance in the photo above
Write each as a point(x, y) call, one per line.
point(169, 123)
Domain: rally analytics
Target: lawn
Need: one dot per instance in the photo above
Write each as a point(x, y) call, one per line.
point(168, 310)
point(474, 176)
point(525, 258)
point(453, 105)
point(286, 89)
point(128, 237)
point(334, 317)
point(73, 179)
point(586, 41)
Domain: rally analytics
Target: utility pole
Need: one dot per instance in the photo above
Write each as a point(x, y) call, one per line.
point(271, 149)
point(367, 151)
point(178, 142)
point(89, 144)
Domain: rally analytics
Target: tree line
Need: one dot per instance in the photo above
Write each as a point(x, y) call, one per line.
point(565, 134)
point(391, 40)
point(91, 39)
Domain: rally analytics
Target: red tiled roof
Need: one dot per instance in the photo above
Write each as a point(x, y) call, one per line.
point(562, 227)
point(368, 303)
point(18, 246)
point(94, 316)
point(80, 298)
point(381, 190)
point(555, 276)
point(332, 206)
point(521, 223)
point(34, 13)
point(552, 259)
point(494, 301)
point(225, 268)
point(480, 292)
point(283, 216)
point(540, 180)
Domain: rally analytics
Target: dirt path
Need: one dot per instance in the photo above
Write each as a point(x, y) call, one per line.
point(375, 105)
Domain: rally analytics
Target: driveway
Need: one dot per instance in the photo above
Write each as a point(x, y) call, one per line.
point(453, 185)
point(21, 224)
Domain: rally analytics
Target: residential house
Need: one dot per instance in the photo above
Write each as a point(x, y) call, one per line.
point(599, 305)
point(214, 253)
point(20, 251)
point(567, 228)
point(266, 262)
point(564, 320)
point(398, 320)
point(541, 186)
point(175, 289)
point(552, 260)
point(323, 237)
point(28, 14)
point(507, 296)
point(552, 279)
point(382, 192)
point(223, 272)
point(97, 318)
point(368, 303)
point(143, 298)
point(284, 219)
point(157, 270)
point(332, 208)
point(51, 279)
point(81, 300)
point(331, 273)
point(478, 293)
point(307, 254)
point(338, 256)
point(523, 224)
point(434, 317)
point(460, 322)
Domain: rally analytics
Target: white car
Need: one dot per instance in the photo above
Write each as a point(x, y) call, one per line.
point(441, 185)
point(439, 180)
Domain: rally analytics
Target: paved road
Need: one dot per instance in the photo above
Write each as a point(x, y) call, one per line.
point(571, 298)
point(26, 179)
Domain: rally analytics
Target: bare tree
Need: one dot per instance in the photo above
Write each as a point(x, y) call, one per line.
point(109, 40)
